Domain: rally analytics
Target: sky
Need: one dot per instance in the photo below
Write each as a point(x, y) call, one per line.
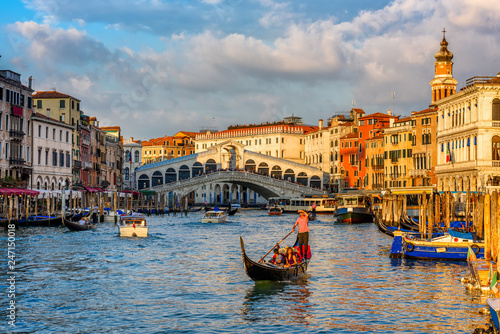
point(156, 67)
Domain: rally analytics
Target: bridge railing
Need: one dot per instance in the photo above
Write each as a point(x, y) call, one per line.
point(247, 174)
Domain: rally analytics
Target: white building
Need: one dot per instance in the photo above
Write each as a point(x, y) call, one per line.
point(132, 159)
point(52, 159)
point(284, 139)
point(15, 136)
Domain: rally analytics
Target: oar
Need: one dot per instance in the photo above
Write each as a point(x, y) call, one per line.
point(275, 246)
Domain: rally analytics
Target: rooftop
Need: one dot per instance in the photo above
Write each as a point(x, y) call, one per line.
point(52, 94)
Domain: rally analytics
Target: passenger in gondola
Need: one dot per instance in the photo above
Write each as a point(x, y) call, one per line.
point(278, 259)
point(291, 258)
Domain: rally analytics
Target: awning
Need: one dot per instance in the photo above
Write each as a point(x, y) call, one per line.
point(17, 111)
point(91, 189)
point(133, 192)
point(148, 192)
point(16, 191)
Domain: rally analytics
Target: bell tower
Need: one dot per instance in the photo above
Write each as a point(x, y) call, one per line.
point(443, 84)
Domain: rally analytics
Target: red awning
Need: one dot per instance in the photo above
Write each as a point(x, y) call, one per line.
point(16, 191)
point(91, 189)
point(17, 111)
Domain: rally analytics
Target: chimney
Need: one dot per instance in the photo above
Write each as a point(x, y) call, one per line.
point(48, 112)
point(320, 124)
point(389, 112)
point(131, 138)
point(30, 81)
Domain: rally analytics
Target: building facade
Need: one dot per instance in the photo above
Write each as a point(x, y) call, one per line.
point(398, 153)
point(15, 129)
point(64, 108)
point(52, 159)
point(131, 161)
point(284, 139)
point(424, 151)
point(468, 137)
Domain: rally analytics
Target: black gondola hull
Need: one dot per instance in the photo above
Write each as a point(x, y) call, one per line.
point(74, 226)
point(263, 272)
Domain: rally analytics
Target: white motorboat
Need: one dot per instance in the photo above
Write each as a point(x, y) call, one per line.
point(214, 217)
point(133, 226)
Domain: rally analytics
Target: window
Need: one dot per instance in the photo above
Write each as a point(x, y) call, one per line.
point(6, 150)
point(495, 143)
point(67, 136)
point(1, 117)
point(136, 156)
point(39, 156)
point(54, 158)
point(68, 161)
point(46, 132)
point(1, 93)
point(47, 157)
point(61, 159)
point(54, 134)
point(39, 104)
point(495, 110)
point(78, 106)
point(62, 104)
point(126, 173)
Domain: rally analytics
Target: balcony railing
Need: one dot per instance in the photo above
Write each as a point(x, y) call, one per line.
point(87, 165)
point(16, 162)
point(16, 134)
point(380, 166)
point(394, 160)
point(77, 164)
point(85, 142)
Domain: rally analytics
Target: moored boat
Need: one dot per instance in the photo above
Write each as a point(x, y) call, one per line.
point(212, 216)
point(451, 246)
point(268, 272)
point(133, 226)
point(353, 209)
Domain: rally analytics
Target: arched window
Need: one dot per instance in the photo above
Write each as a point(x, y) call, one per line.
point(136, 156)
point(495, 145)
point(127, 156)
point(495, 110)
point(126, 173)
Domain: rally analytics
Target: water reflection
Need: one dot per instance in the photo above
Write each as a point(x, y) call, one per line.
point(278, 301)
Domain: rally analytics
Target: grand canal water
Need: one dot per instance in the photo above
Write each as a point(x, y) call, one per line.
point(188, 277)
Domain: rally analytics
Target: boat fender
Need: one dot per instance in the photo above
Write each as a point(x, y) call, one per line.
point(134, 235)
point(475, 249)
point(409, 247)
point(106, 212)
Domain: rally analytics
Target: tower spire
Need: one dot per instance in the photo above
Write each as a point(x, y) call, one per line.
point(443, 84)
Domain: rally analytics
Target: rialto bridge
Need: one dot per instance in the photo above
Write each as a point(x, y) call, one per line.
point(228, 173)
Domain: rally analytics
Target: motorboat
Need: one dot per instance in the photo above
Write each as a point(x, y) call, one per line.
point(275, 211)
point(133, 226)
point(213, 216)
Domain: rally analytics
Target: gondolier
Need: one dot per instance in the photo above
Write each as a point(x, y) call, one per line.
point(303, 235)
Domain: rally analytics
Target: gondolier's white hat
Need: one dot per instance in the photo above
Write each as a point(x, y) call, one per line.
point(302, 211)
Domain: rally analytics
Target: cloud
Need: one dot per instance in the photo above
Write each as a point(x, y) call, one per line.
point(309, 67)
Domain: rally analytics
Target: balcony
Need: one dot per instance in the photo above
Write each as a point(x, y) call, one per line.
point(16, 135)
point(394, 160)
point(87, 165)
point(77, 164)
point(16, 162)
point(86, 142)
point(419, 172)
point(378, 167)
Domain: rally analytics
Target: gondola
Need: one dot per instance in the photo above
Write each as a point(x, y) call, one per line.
point(266, 272)
point(74, 226)
point(232, 212)
point(41, 221)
